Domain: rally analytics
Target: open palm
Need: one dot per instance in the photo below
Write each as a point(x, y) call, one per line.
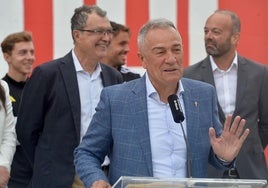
point(229, 143)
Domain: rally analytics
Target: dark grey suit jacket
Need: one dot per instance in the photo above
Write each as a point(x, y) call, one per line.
point(48, 125)
point(251, 104)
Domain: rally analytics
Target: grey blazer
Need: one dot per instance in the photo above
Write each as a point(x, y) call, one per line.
point(251, 104)
point(120, 128)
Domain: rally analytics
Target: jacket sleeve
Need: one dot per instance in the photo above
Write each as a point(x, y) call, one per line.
point(8, 137)
point(31, 113)
point(263, 109)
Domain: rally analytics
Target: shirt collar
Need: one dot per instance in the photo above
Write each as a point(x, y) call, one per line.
point(152, 93)
point(215, 67)
point(79, 68)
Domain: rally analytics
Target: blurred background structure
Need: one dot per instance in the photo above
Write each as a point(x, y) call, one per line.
point(49, 21)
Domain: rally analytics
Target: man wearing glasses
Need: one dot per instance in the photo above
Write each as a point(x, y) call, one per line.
point(59, 100)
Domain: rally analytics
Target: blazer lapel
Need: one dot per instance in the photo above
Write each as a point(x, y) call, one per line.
point(105, 80)
point(70, 79)
point(191, 113)
point(206, 72)
point(108, 77)
point(141, 120)
point(242, 79)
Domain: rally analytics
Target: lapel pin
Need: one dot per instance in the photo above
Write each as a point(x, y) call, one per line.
point(195, 103)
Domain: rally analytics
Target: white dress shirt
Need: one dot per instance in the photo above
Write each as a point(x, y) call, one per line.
point(225, 83)
point(168, 147)
point(90, 87)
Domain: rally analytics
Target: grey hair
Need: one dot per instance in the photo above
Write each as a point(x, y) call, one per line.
point(236, 25)
point(160, 23)
point(79, 19)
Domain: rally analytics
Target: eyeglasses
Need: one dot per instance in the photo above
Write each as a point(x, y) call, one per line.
point(102, 32)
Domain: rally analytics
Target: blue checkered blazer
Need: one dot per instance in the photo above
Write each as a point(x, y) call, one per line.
point(120, 128)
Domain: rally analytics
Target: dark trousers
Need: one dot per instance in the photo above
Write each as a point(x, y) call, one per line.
point(21, 170)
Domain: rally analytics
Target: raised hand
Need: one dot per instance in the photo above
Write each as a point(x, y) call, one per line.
point(228, 145)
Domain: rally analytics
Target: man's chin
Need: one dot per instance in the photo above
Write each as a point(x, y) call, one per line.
point(211, 52)
point(102, 54)
point(121, 63)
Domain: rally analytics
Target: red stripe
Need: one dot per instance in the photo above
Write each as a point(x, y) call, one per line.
point(182, 24)
point(38, 20)
point(89, 2)
point(137, 13)
point(253, 15)
point(266, 154)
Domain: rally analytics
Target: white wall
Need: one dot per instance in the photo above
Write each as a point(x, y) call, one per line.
point(11, 19)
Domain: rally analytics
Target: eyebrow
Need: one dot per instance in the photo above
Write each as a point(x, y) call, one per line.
point(160, 47)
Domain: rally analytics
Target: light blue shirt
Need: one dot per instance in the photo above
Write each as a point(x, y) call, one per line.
point(169, 155)
point(90, 87)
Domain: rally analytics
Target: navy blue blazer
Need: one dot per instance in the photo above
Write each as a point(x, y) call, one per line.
point(48, 125)
point(120, 128)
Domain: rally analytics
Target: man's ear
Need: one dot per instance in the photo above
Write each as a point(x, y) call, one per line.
point(141, 58)
point(235, 38)
point(76, 35)
point(7, 57)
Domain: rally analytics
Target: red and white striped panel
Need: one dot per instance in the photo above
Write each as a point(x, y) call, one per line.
point(49, 22)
